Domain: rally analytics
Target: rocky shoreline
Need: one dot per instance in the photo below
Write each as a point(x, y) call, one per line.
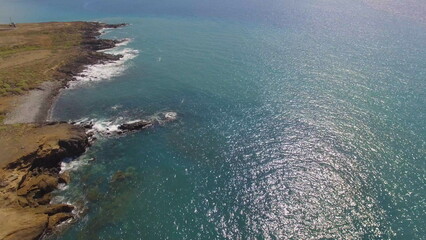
point(36, 105)
point(90, 54)
point(27, 182)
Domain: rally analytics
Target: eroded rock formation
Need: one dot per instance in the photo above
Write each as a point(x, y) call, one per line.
point(27, 182)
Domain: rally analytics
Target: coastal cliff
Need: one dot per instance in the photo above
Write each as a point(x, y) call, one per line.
point(30, 172)
point(36, 61)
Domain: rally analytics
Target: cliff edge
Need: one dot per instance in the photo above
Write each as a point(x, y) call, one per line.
point(30, 171)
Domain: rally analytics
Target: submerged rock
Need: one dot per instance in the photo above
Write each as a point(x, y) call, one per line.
point(120, 175)
point(94, 194)
point(110, 209)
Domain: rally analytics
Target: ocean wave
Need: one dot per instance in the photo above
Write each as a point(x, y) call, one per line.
point(101, 126)
point(105, 127)
point(125, 42)
point(104, 31)
point(69, 165)
point(109, 69)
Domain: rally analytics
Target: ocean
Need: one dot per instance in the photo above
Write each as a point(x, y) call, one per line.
point(295, 120)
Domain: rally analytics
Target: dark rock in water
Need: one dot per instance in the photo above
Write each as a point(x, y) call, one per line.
point(114, 25)
point(110, 57)
point(142, 124)
point(111, 129)
point(88, 125)
point(100, 44)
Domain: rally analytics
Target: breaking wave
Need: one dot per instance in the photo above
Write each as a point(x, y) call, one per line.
point(109, 69)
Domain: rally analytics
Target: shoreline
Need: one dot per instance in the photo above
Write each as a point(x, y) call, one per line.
point(36, 105)
point(35, 147)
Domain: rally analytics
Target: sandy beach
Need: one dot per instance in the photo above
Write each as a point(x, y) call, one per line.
point(34, 106)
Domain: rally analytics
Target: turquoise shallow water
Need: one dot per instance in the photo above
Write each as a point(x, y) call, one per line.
point(295, 121)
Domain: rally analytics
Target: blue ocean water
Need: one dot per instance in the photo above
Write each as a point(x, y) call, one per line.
point(296, 120)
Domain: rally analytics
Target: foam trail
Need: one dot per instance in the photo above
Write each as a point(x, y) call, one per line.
point(104, 31)
point(72, 165)
point(125, 42)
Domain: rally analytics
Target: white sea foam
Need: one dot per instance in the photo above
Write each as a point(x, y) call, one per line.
point(105, 127)
point(104, 31)
point(108, 69)
point(163, 117)
point(72, 165)
point(124, 42)
point(170, 116)
point(81, 121)
point(62, 186)
point(102, 126)
point(115, 107)
point(133, 121)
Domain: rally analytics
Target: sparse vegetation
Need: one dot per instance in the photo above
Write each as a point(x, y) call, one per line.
point(30, 54)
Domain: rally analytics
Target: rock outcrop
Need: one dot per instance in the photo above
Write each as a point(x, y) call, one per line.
point(27, 182)
point(89, 54)
point(137, 125)
point(131, 126)
point(118, 25)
